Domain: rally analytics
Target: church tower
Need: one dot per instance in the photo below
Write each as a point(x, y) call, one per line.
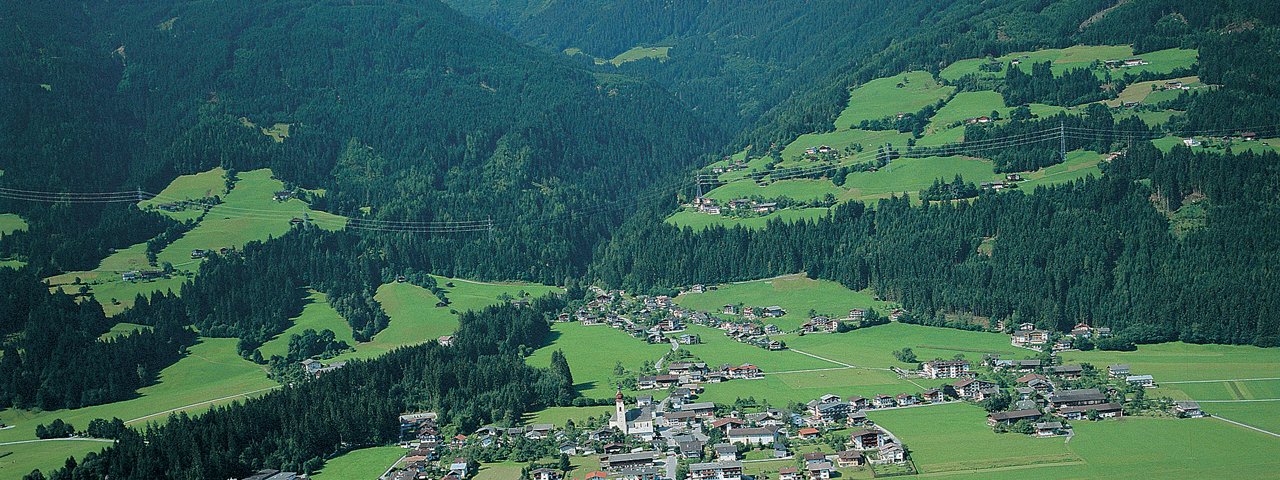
point(620, 413)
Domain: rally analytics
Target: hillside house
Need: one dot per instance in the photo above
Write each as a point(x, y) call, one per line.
point(891, 453)
point(818, 470)
point(807, 433)
point(972, 389)
point(774, 311)
point(1034, 338)
point(789, 473)
point(866, 438)
point(946, 368)
point(1048, 429)
point(1145, 381)
point(621, 461)
point(716, 471)
point(905, 400)
point(932, 395)
point(729, 310)
point(856, 418)
point(857, 315)
point(545, 474)
point(883, 401)
point(850, 458)
point(1066, 371)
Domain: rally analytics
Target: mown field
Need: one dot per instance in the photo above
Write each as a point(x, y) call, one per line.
point(363, 463)
point(1177, 361)
point(1079, 56)
point(189, 187)
point(592, 352)
point(717, 349)
point(699, 221)
point(560, 415)
point(24, 458)
point(797, 294)
point(11, 222)
point(640, 53)
point(889, 96)
point(123, 328)
point(316, 315)
point(800, 189)
point(873, 347)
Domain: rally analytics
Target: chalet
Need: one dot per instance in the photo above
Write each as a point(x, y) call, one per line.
point(688, 339)
point(1145, 381)
point(774, 345)
point(1191, 142)
point(1028, 378)
point(1048, 429)
point(1012, 177)
point(282, 195)
point(680, 417)
point(932, 395)
point(772, 329)
point(1104, 410)
point(1188, 409)
point(1030, 338)
point(883, 401)
point(716, 471)
point(445, 340)
point(539, 431)
point(729, 310)
point(646, 382)
point(858, 403)
point(946, 368)
point(774, 311)
point(545, 474)
point(789, 473)
point(1118, 370)
point(621, 461)
point(460, 467)
point(199, 253)
point(753, 435)
point(130, 276)
point(857, 315)
point(818, 470)
point(905, 399)
point(1075, 398)
point(296, 221)
point(1007, 418)
point(1066, 371)
point(685, 368)
point(1129, 104)
point(807, 433)
point(1173, 84)
point(850, 458)
point(745, 371)
point(765, 207)
point(698, 288)
point(613, 448)
point(831, 412)
point(896, 314)
point(1249, 136)
point(725, 452)
point(724, 424)
point(709, 209)
point(702, 409)
point(891, 453)
point(311, 365)
point(866, 439)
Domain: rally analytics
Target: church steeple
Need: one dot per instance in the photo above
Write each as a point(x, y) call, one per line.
point(620, 413)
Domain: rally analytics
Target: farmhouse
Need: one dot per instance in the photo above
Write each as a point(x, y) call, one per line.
point(545, 474)
point(1030, 338)
point(618, 462)
point(1075, 398)
point(726, 452)
point(789, 473)
point(1188, 409)
point(818, 470)
point(774, 311)
point(1146, 381)
point(883, 401)
point(1118, 370)
point(807, 433)
point(972, 388)
point(1105, 410)
point(445, 340)
point(1066, 371)
point(1007, 418)
point(1048, 429)
point(729, 310)
point(946, 368)
point(932, 395)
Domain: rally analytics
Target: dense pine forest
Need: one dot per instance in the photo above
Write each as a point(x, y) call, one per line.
point(416, 112)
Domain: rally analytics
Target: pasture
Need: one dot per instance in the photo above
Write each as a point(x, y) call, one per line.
point(1078, 56)
point(874, 346)
point(1079, 164)
point(1177, 361)
point(363, 463)
point(717, 349)
point(189, 187)
point(841, 138)
point(778, 389)
point(799, 189)
point(592, 352)
point(121, 329)
point(700, 221)
point(11, 222)
point(910, 175)
point(316, 315)
point(889, 96)
point(560, 415)
point(797, 294)
point(24, 458)
point(640, 53)
point(966, 105)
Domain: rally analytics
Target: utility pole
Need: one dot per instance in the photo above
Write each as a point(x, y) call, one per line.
point(1062, 139)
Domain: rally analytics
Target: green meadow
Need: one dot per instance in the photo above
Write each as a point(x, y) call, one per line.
point(1078, 56)
point(800, 189)
point(797, 294)
point(1079, 164)
point(966, 105)
point(1264, 415)
point(640, 53)
point(781, 388)
point(363, 463)
point(22, 459)
point(189, 187)
point(698, 221)
point(592, 352)
point(841, 138)
point(316, 315)
point(11, 222)
point(910, 175)
point(1177, 361)
point(123, 328)
point(560, 415)
point(889, 96)
point(874, 346)
point(717, 349)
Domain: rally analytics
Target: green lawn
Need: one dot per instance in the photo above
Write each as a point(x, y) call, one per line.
point(796, 294)
point(44, 456)
point(640, 53)
point(1264, 415)
point(592, 352)
point(1183, 361)
point(884, 97)
point(363, 463)
point(11, 222)
point(699, 221)
point(779, 389)
point(316, 315)
point(956, 437)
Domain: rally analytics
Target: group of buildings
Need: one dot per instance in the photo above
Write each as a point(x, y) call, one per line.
point(711, 206)
point(1029, 336)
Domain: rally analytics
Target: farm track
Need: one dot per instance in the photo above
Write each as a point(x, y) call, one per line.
point(70, 439)
point(197, 404)
point(1245, 425)
point(1222, 380)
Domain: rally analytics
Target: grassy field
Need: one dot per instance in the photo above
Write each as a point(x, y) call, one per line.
point(933, 436)
point(11, 222)
point(1079, 56)
point(1138, 92)
point(800, 189)
point(779, 389)
point(884, 97)
point(123, 328)
point(910, 175)
point(212, 370)
point(592, 352)
point(873, 347)
point(363, 463)
point(1264, 415)
point(416, 319)
point(640, 53)
point(717, 349)
point(559, 415)
point(190, 187)
point(1079, 164)
point(841, 138)
point(1178, 361)
point(316, 315)
point(699, 221)
point(966, 105)
point(796, 294)
point(44, 456)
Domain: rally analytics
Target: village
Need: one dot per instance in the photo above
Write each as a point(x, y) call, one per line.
point(670, 434)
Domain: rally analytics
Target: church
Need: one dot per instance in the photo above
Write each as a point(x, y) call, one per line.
point(637, 421)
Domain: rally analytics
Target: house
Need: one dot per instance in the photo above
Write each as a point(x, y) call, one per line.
point(856, 418)
point(745, 371)
point(1030, 338)
point(1066, 371)
point(638, 473)
point(753, 435)
point(1048, 429)
point(445, 340)
point(789, 473)
point(729, 310)
point(1026, 379)
point(545, 474)
point(1188, 409)
point(701, 409)
point(716, 471)
point(774, 345)
point(932, 395)
point(1249, 136)
point(1024, 365)
point(725, 452)
point(282, 195)
point(891, 453)
point(866, 438)
point(688, 339)
point(1010, 417)
point(1012, 177)
point(623, 461)
point(765, 207)
point(831, 412)
point(1075, 398)
point(691, 449)
point(905, 399)
point(858, 403)
point(946, 368)
point(1118, 370)
point(199, 253)
point(1105, 410)
point(807, 433)
point(539, 431)
point(818, 470)
point(460, 466)
point(883, 401)
point(1191, 142)
point(724, 424)
point(850, 458)
point(1145, 381)
point(311, 366)
point(814, 457)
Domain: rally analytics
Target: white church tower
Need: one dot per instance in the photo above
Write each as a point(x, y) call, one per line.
point(620, 413)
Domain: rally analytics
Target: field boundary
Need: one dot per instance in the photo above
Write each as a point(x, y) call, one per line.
point(197, 404)
point(68, 439)
point(1245, 425)
point(1222, 380)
